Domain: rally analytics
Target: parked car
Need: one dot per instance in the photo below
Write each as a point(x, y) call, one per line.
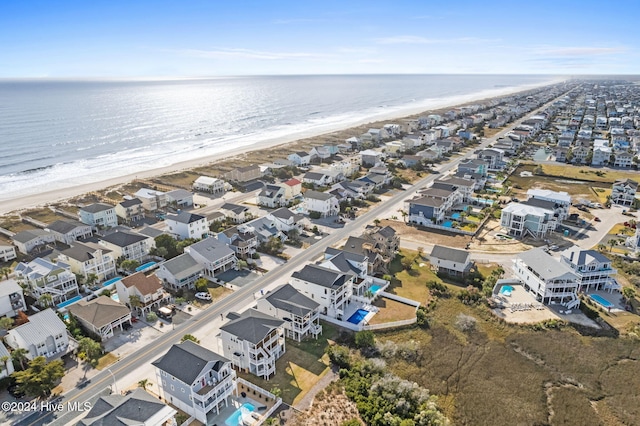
point(203, 295)
point(597, 219)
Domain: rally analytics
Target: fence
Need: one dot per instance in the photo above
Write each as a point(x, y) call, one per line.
point(400, 299)
point(264, 392)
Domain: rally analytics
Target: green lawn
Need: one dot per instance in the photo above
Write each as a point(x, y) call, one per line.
point(411, 284)
point(300, 367)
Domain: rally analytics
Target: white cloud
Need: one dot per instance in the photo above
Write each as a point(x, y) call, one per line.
point(249, 54)
point(579, 51)
point(410, 39)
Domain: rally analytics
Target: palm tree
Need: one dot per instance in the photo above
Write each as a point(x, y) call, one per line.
point(46, 300)
point(6, 323)
point(628, 293)
point(144, 384)
point(20, 356)
point(3, 362)
point(134, 301)
point(602, 247)
point(5, 271)
point(404, 215)
point(91, 279)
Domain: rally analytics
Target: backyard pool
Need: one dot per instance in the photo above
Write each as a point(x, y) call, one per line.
point(69, 302)
point(358, 316)
point(448, 224)
point(146, 266)
point(235, 419)
point(115, 297)
point(111, 281)
point(506, 290)
point(601, 300)
point(374, 289)
point(455, 216)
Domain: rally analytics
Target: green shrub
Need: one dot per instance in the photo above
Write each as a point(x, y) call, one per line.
point(152, 317)
point(315, 215)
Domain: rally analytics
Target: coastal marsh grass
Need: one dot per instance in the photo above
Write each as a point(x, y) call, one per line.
point(507, 374)
point(568, 183)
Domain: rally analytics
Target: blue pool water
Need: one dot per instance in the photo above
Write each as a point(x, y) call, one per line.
point(601, 300)
point(115, 297)
point(506, 290)
point(111, 281)
point(146, 266)
point(455, 216)
point(358, 316)
point(235, 419)
point(448, 224)
point(69, 302)
point(374, 289)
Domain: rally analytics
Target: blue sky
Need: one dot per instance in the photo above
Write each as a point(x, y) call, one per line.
point(121, 39)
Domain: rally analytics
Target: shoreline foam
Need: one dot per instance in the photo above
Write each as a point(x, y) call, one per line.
point(17, 200)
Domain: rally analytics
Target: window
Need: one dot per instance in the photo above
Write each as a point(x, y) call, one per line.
point(172, 388)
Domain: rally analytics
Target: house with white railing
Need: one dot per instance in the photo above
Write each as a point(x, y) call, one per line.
point(331, 288)
point(253, 341)
point(44, 335)
point(129, 245)
point(42, 276)
point(215, 256)
point(593, 269)
point(299, 313)
point(195, 380)
point(90, 258)
point(550, 281)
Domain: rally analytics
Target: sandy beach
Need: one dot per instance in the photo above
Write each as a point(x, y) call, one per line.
point(16, 203)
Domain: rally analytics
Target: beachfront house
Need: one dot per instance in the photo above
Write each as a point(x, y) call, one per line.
point(214, 256)
point(235, 212)
point(561, 200)
point(187, 225)
point(179, 198)
point(180, 273)
point(253, 341)
point(550, 281)
point(137, 407)
point(330, 288)
point(152, 200)
point(42, 276)
point(520, 220)
point(601, 152)
point(7, 253)
point(43, 335)
point(98, 215)
point(130, 210)
point(300, 158)
point(320, 202)
point(129, 245)
point(319, 178)
point(623, 192)
point(244, 174)
point(146, 288)
point(241, 239)
point(195, 380)
point(11, 298)
point(299, 313)
point(90, 258)
point(67, 231)
point(449, 261)
point(209, 184)
point(101, 316)
point(593, 269)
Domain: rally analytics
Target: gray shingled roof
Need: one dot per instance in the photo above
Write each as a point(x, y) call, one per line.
point(82, 252)
point(313, 175)
point(185, 217)
point(536, 202)
point(96, 208)
point(252, 326)
point(436, 192)
point(447, 253)
point(545, 265)
point(131, 202)
point(584, 257)
point(427, 201)
point(282, 213)
point(28, 235)
point(211, 249)
point(235, 208)
point(185, 361)
point(64, 226)
point(322, 276)
point(341, 261)
point(323, 196)
point(178, 194)
point(387, 232)
point(182, 266)
point(116, 410)
point(123, 238)
point(288, 299)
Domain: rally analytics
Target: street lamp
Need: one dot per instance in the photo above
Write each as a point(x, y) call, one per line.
point(115, 388)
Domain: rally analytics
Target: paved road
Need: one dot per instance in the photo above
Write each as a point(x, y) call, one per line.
point(241, 297)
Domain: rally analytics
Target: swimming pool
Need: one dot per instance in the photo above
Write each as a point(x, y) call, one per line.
point(111, 281)
point(448, 224)
point(358, 316)
point(374, 289)
point(455, 216)
point(601, 300)
point(146, 266)
point(235, 419)
point(115, 297)
point(506, 290)
point(69, 302)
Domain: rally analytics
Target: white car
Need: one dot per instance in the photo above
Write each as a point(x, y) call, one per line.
point(203, 295)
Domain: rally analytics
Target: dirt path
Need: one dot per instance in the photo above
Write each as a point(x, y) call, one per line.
point(307, 400)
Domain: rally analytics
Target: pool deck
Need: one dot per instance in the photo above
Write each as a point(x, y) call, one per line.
point(615, 298)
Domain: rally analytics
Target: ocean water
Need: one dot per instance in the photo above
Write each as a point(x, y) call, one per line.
point(56, 134)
